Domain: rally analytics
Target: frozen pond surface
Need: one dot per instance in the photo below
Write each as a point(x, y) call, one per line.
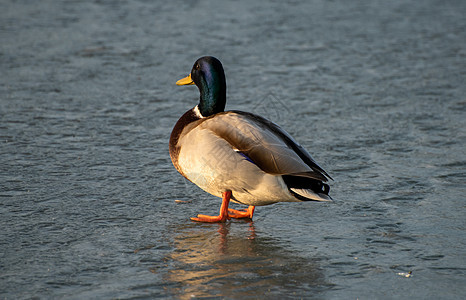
point(374, 90)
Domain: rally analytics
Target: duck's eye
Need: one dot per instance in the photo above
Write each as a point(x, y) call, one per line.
point(197, 67)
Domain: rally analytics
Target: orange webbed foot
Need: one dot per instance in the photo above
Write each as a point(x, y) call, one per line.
point(241, 214)
point(211, 219)
point(222, 217)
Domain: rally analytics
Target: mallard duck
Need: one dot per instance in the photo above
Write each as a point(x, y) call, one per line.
point(239, 156)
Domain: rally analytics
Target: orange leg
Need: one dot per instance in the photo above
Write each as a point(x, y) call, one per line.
point(244, 213)
point(222, 217)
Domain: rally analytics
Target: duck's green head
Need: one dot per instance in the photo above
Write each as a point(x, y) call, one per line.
point(208, 75)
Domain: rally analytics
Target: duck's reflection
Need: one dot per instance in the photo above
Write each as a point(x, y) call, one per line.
point(233, 261)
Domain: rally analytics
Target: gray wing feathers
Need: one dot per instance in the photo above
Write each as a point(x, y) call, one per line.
point(266, 144)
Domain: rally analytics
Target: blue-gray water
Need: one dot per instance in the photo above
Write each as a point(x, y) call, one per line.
point(375, 90)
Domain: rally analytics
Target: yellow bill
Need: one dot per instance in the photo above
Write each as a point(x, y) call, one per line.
point(185, 81)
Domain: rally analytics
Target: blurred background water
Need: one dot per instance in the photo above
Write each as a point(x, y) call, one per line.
point(375, 90)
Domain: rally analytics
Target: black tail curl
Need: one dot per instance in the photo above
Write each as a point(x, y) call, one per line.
point(299, 182)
